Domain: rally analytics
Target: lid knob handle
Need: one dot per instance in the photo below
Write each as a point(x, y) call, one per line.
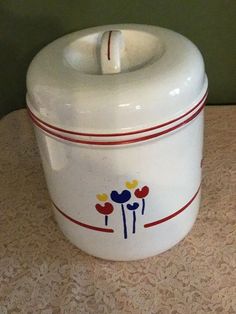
point(110, 53)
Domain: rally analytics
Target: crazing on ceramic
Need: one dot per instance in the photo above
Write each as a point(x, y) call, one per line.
point(118, 117)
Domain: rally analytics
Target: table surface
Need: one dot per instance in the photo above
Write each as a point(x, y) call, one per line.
point(41, 272)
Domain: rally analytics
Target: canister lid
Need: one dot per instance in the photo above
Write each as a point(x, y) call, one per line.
point(115, 79)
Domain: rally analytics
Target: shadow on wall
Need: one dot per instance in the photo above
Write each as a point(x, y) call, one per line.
point(16, 52)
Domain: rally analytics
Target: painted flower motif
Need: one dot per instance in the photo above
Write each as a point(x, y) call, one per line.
point(141, 193)
point(122, 197)
point(102, 197)
point(131, 184)
point(105, 209)
point(133, 206)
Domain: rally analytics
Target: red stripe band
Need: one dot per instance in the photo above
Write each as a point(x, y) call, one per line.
point(81, 223)
point(121, 142)
point(157, 222)
point(109, 46)
point(203, 99)
point(148, 225)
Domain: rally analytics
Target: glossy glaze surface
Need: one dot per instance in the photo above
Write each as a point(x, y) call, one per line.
point(162, 76)
point(121, 152)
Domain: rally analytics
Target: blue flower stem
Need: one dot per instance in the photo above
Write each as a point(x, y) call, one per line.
point(134, 220)
point(124, 221)
point(106, 220)
point(143, 208)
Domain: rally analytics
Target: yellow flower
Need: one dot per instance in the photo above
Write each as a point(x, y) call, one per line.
point(102, 197)
point(132, 184)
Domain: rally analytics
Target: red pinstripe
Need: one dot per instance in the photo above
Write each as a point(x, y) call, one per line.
point(121, 142)
point(81, 223)
point(157, 222)
point(118, 134)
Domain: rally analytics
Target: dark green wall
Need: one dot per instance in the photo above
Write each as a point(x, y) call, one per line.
point(28, 25)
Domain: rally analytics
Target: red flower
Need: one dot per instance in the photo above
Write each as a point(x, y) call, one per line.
point(105, 209)
point(141, 193)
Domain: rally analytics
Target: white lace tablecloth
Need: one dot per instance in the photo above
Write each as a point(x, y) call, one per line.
point(41, 272)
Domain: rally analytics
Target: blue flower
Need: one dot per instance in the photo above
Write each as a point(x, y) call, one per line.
point(133, 206)
point(121, 198)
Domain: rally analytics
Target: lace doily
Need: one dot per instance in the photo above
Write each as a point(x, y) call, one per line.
point(41, 272)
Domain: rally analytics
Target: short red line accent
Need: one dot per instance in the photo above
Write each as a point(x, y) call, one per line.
point(109, 46)
point(157, 222)
point(83, 224)
point(119, 134)
point(121, 142)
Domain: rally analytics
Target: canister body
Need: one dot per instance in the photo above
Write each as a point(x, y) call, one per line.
point(125, 202)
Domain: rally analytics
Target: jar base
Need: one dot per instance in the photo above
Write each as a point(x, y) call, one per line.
point(132, 254)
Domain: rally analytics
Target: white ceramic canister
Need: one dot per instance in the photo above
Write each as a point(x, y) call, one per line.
point(118, 116)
